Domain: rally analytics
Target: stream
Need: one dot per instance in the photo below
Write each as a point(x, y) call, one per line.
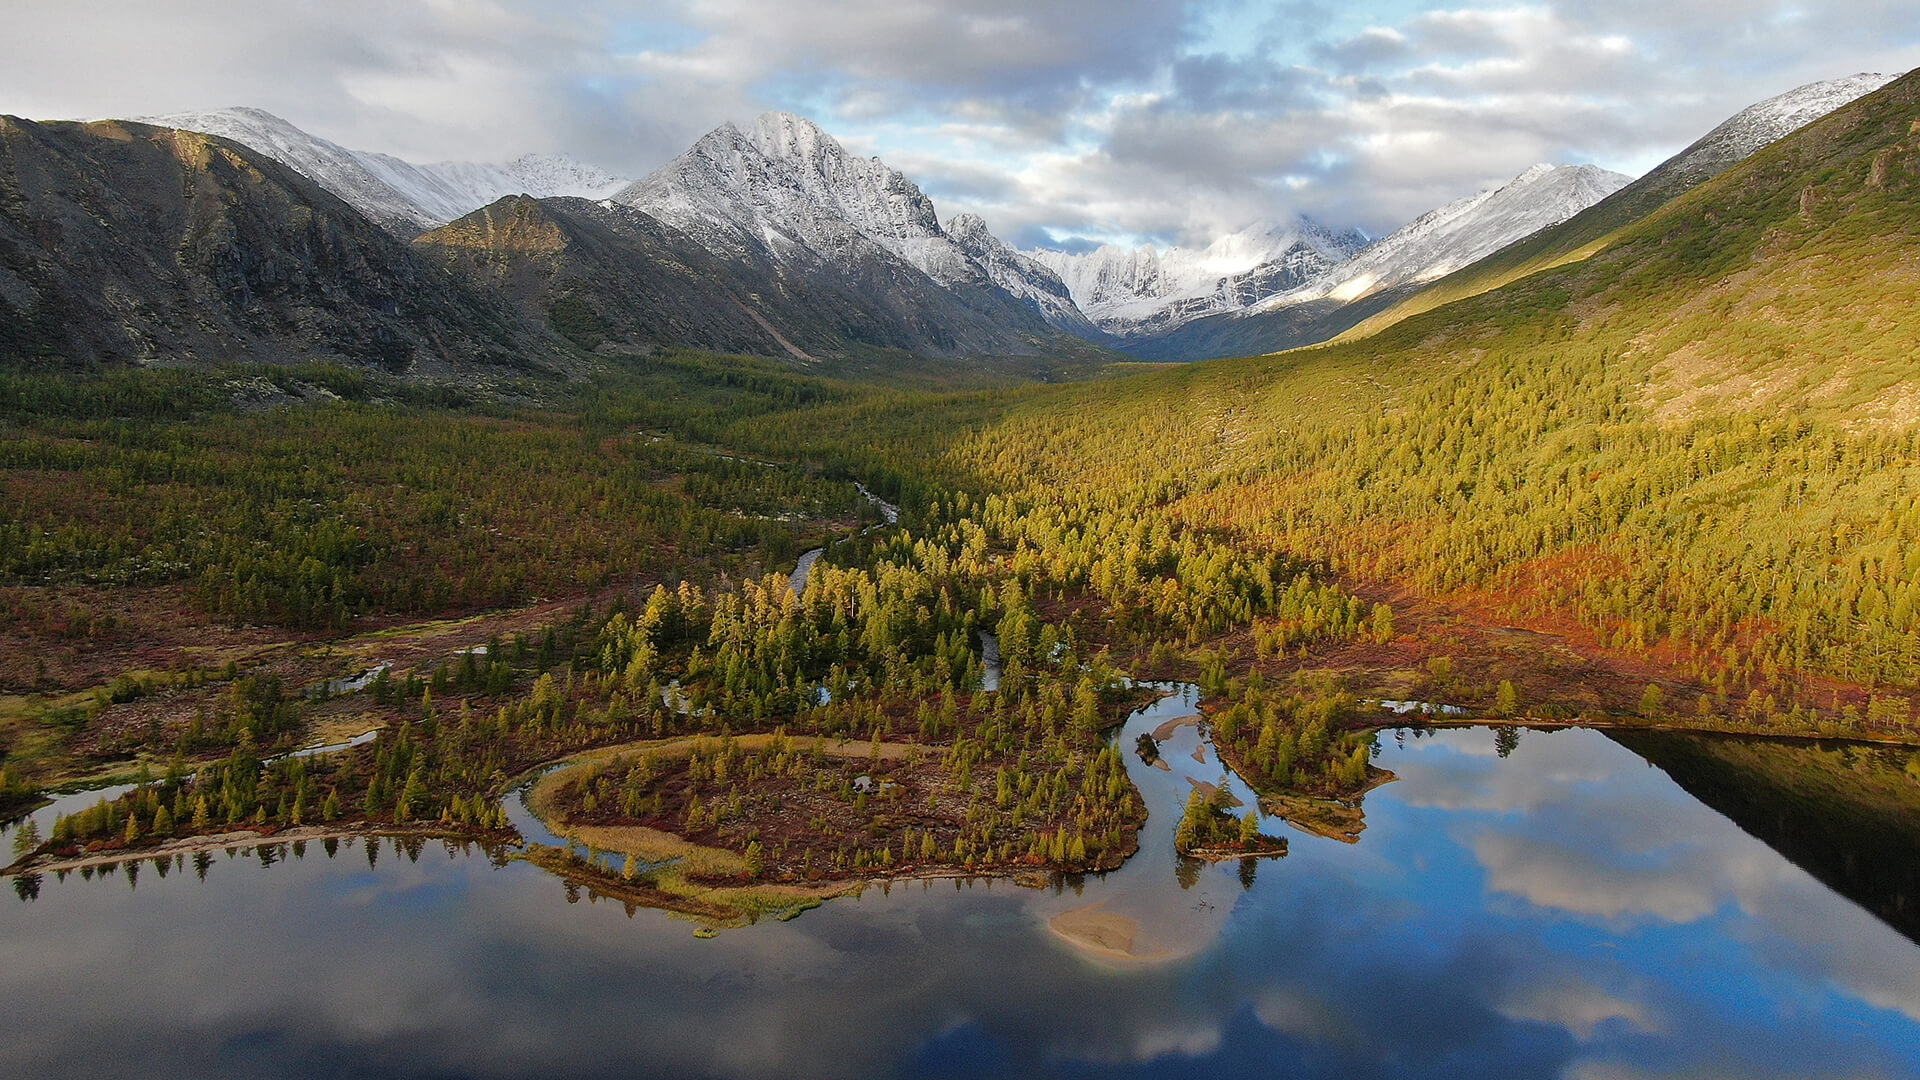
point(889, 515)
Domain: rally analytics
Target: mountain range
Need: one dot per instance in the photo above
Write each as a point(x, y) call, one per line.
point(126, 243)
point(138, 242)
point(403, 197)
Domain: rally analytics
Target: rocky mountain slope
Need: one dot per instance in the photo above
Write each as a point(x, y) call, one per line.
point(126, 243)
point(399, 195)
point(610, 276)
point(788, 194)
point(1762, 123)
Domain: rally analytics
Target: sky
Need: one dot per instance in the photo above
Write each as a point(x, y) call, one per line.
point(1062, 122)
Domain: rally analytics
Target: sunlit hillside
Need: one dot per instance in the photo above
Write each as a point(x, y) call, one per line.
point(1700, 440)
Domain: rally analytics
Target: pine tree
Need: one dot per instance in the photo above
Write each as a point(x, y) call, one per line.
point(1506, 702)
point(26, 839)
point(1651, 701)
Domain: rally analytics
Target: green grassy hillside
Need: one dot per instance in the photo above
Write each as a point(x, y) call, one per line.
point(1699, 442)
point(1577, 238)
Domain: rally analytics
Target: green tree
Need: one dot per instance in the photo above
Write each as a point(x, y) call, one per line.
point(1380, 624)
point(1652, 701)
point(26, 839)
point(1506, 701)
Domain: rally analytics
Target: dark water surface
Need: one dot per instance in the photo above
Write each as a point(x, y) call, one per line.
point(1567, 911)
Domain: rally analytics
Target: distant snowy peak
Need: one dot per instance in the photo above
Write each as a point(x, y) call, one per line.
point(1768, 121)
point(449, 190)
point(1464, 231)
point(550, 175)
point(1143, 290)
point(399, 195)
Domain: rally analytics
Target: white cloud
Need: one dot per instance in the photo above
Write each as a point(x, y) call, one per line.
point(1130, 117)
point(1578, 1006)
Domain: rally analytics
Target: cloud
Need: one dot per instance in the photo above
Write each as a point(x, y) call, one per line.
point(1548, 875)
point(1118, 120)
point(1578, 1006)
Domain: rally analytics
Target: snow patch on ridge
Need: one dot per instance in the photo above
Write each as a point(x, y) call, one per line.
point(1768, 121)
point(398, 195)
point(1460, 233)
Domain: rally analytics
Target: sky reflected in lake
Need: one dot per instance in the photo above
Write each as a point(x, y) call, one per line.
point(1567, 911)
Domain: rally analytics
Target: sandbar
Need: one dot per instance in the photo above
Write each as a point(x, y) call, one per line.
point(1104, 933)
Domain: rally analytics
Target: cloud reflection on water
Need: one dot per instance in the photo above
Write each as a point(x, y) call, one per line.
point(1564, 912)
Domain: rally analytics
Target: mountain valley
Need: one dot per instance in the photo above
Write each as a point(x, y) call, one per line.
point(745, 536)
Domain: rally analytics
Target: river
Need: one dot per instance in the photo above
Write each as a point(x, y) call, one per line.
point(889, 515)
point(1564, 910)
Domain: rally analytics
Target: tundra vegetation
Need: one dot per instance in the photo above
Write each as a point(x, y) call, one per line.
point(1670, 484)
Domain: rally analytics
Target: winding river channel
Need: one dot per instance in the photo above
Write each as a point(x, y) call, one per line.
point(1561, 909)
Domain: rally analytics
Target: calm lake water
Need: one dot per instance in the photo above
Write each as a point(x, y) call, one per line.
point(1566, 911)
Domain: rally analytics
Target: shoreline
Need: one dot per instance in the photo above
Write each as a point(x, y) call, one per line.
point(1023, 876)
point(1858, 738)
point(237, 840)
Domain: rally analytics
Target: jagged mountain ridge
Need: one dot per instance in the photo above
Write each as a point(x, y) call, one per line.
point(1145, 292)
point(613, 276)
point(1312, 318)
point(1021, 276)
point(1318, 305)
point(1461, 232)
point(1542, 215)
point(1739, 137)
point(787, 191)
point(894, 281)
point(123, 243)
point(401, 196)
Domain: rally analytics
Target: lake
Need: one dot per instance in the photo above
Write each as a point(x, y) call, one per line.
point(1565, 910)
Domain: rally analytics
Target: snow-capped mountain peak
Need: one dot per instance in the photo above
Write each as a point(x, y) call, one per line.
point(786, 189)
point(1143, 290)
point(1463, 231)
point(399, 195)
point(326, 163)
point(795, 138)
point(1766, 121)
point(878, 200)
